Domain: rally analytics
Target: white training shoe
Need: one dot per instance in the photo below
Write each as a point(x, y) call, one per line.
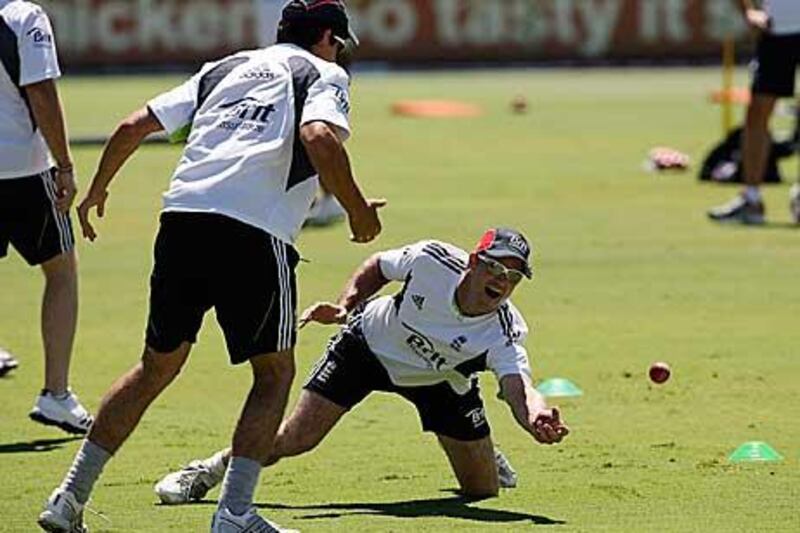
point(506, 472)
point(794, 203)
point(62, 514)
point(226, 522)
point(191, 483)
point(66, 413)
point(7, 362)
point(325, 210)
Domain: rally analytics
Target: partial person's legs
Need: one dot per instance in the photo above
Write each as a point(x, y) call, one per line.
point(794, 202)
point(474, 465)
point(756, 142)
point(311, 420)
point(773, 77)
point(129, 397)
point(59, 318)
point(120, 411)
point(254, 436)
point(794, 192)
point(56, 405)
point(747, 207)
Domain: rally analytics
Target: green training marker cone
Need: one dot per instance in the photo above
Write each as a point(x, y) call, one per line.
point(559, 387)
point(754, 451)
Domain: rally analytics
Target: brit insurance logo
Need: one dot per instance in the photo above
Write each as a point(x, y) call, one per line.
point(424, 348)
point(40, 37)
point(342, 100)
point(477, 417)
point(246, 114)
point(519, 244)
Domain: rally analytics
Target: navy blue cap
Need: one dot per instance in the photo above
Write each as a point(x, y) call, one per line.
point(332, 13)
point(504, 242)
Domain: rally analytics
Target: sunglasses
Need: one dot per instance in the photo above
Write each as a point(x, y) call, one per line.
point(498, 269)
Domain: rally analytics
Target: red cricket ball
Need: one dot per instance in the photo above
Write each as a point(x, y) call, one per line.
point(659, 372)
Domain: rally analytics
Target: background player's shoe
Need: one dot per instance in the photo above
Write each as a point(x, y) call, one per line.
point(505, 472)
point(325, 210)
point(226, 522)
point(739, 211)
point(189, 484)
point(794, 202)
point(66, 413)
point(62, 514)
point(7, 362)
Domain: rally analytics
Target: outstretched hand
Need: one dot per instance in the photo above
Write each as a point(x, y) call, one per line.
point(97, 200)
point(547, 427)
point(366, 225)
point(323, 313)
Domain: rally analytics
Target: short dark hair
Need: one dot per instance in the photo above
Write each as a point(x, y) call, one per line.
point(304, 34)
point(304, 22)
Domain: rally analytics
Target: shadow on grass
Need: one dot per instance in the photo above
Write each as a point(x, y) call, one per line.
point(35, 446)
point(450, 507)
point(780, 225)
point(766, 226)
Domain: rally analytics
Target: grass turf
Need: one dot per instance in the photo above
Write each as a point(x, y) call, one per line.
point(627, 271)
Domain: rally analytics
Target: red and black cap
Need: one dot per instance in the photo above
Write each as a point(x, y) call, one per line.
point(331, 13)
point(505, 242)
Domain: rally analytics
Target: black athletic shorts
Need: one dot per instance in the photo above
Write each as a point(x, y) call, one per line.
point(205, 260)
point(349, 371)
point(775, 65)
point(30, 221)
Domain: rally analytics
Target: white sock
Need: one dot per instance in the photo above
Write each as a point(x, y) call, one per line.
point(752, 194)
point(85, 469)
point(239, 485)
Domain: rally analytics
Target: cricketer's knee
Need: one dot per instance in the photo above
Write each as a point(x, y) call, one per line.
point(291, 441)
point(61, 270)
point(474, 465)
point(263, 410)
point(480, 488)
point(274, 372)
point(157, 370)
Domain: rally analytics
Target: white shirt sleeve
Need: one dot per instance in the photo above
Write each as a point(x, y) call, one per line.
point(511, 357)
point(396, 264)
point(37, 50)
point(175, 108)
point(329, 101)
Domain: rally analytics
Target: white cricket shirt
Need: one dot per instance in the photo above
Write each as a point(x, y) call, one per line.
point(27, 56)
point(785, 16)
point(420, 336)
point(243, 156)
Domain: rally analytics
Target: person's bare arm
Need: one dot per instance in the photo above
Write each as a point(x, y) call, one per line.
point(330, 159)
point(531, 411)
point(365, 282)
point(47, 112)
point(126, 138)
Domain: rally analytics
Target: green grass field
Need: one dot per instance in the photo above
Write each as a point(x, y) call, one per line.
point(628, 272)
